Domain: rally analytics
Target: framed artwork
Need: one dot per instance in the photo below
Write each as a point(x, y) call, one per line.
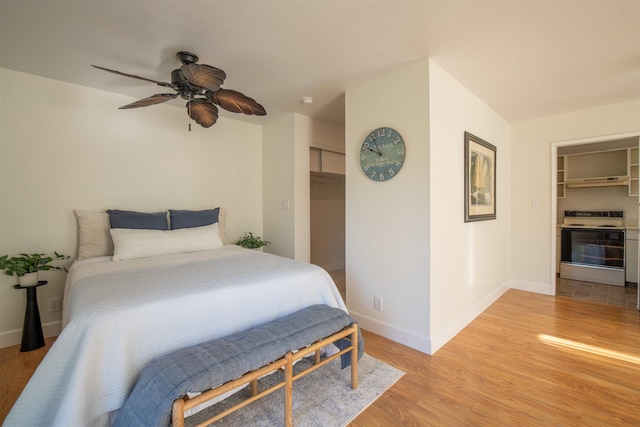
point(479, 179)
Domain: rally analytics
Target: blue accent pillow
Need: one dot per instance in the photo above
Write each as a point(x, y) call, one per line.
point(138, 220)
point(190, 219)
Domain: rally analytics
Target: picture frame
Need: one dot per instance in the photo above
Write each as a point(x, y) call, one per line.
point(479, 179)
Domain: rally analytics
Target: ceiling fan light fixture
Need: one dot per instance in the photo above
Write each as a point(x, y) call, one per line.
point(307, 100)
point(199, 84)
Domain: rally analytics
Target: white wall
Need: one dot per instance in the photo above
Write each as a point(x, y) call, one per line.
point(303, 132)
point(64, 147)
point(325, 135)
point(277, 163)
point(387, 223)
point(286, 186)
point(406, 238)
point(469, 261)
point(286, 182)
point(531, 228)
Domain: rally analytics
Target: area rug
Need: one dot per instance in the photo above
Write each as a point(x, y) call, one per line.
point(322, 398)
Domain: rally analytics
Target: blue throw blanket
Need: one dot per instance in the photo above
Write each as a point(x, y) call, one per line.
point(208, 365)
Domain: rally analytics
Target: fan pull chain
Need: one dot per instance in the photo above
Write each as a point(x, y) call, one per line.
point(189, 110)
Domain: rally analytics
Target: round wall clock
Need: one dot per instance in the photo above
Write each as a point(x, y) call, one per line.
point(382, 154)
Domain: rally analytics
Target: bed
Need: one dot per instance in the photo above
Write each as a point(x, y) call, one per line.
point(120, 314)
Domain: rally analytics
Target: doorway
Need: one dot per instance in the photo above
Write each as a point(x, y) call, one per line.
point(328, 225)
point(568, 197)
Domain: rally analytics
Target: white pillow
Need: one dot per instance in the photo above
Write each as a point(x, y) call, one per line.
point(222, 223)
point(93, 234)
point(133, 243)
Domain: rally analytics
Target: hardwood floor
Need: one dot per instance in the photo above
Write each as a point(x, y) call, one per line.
point(504, 369)
point(15, 370)
point(528, 360)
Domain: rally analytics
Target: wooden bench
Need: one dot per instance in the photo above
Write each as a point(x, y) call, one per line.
point(285, 364)
point(219, 366)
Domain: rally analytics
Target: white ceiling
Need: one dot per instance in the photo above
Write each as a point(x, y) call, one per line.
point(525, 59)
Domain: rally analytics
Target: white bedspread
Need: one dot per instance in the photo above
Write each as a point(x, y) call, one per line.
point(120, 315)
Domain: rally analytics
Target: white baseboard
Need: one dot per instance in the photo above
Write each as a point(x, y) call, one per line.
point(14, 337)
point(426, 344)
point(539, 288)
point(445, 334)
point(333, 267)
point(52, 329)
point(400, 335)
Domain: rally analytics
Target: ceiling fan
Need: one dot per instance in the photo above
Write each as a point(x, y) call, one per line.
point(199, 84)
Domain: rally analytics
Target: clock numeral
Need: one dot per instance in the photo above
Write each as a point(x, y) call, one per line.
point(400, 151)
point(391, 172)
point(381, 132)
point(381, 176)
point(397, 140)
point(373, 173)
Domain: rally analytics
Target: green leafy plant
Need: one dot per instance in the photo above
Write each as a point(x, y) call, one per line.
point(251, 242)
point(29, 263)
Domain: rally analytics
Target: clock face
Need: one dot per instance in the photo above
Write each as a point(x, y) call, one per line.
point(382, 154)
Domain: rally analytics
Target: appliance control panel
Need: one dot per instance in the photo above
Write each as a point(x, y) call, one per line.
point(594, 214)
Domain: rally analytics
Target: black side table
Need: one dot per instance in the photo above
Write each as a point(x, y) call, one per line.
point(32, 336)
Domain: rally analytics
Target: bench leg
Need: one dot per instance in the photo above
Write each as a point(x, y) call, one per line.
point(177, 413)
point(288, 391)
point(253, 387)
point(354, 357)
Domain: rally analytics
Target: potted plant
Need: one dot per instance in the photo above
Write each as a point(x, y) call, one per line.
point(26, 266)
point(251, 242)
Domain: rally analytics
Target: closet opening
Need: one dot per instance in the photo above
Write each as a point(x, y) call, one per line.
point(328, 225)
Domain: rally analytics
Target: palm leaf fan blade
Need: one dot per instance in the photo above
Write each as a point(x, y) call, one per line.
point(133, 76)
point(152, 100)
point(203, 112)
point(236, 102)
point(204, 76)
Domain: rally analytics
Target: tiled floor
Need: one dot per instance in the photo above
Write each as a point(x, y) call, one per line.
point(624, 296)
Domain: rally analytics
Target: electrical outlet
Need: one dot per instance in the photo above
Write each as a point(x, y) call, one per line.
point(55, 305)
point(377, 303)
